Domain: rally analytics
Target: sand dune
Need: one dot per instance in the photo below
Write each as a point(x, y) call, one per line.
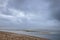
point(14, 36)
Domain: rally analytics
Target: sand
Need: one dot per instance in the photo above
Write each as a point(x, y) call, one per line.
point(14, 36)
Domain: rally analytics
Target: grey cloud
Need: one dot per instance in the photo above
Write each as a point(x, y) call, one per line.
point(7, 23)
point(3, 7)
point(29, 5)
point(36, 14)
point(6, 12)
point(15, 3)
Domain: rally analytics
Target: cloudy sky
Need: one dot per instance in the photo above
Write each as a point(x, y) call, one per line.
point(30, 14)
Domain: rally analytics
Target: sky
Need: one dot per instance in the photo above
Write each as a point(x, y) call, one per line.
point(30, 14)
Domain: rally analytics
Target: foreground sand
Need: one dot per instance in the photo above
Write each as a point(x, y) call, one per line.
point(14, 36)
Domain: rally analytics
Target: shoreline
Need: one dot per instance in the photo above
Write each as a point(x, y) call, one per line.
point(15, 36)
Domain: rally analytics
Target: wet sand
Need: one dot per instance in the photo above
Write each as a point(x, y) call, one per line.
point(15, 36)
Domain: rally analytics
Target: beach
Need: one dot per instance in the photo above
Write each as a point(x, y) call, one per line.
point(15, 36)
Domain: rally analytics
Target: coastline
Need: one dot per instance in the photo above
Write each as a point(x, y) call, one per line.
point(15, 36)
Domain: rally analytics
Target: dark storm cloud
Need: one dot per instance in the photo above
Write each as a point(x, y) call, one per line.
point(56, 15)
point(55, 7)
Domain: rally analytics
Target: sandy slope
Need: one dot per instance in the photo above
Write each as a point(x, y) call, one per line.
point(14, 36)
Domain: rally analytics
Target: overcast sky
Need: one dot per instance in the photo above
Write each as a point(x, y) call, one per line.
point(30, 14)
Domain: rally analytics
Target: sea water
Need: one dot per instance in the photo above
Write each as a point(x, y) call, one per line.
point(48, 36)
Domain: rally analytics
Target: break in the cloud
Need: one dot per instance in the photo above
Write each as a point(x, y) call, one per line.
point(29, 14)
